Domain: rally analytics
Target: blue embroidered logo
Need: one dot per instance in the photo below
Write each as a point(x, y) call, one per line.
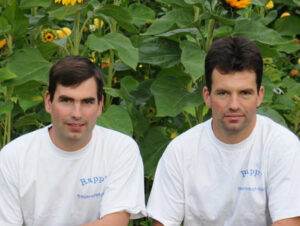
point(92, 180)
point(251, 173)
point(96, 195)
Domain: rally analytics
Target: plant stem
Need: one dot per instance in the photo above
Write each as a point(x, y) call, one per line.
point(210, 34)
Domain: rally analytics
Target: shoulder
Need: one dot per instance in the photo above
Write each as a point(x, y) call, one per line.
point(112, 136)
point(189, 142)
point(20, 145)
point(114, 143)
point(274, 132)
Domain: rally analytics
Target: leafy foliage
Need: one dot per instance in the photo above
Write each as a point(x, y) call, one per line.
point(151, 54)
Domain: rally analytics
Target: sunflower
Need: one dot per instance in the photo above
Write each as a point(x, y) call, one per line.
point(270, 5)
point(3, 42)
point(98, 23)
point(238, 4)
point(48, 35)
point(63, 32)
point(285, 14)
point(68, 2)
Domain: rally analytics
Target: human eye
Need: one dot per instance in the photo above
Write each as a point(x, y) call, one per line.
point(89, 101)
point(222, 93)
point(246, 93)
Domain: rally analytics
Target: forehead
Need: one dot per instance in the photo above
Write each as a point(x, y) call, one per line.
point(238, 79)
point(87, 88)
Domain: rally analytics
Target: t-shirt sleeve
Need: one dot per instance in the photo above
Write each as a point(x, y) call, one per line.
point(166, 201)
point(10, 211)
point(284, 178)
point(125, 188)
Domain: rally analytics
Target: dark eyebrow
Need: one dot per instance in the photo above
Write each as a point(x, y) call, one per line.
point(248, 90)
point(64, 97)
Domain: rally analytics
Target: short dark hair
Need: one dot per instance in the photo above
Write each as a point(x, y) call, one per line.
point(72, 71)
point(232, 54)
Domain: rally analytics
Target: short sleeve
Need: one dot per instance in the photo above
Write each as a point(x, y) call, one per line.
point(166, 201)
point(284, 179)
point(125, 188)
point(10, 211)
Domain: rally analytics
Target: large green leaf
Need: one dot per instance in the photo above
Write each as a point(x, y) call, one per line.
point(159, 26)
point(171, 95)
point(192, 58)
point(16, 18)
point(5, 74)
point(128, 84)
point(257, 31)
point(155, 51)
point(34, 3)
point(290, 47)
point(117, 118)
point(119, 13)
point(4, 26)
point(289, 25)
point(141, 14)
point(28, 64)
point(63, 12)
point(152, 147)
point(126, 52)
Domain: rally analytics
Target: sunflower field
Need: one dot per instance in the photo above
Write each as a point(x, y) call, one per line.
point(151, 53)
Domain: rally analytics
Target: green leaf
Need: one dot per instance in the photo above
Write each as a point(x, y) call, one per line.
point(6, 107)
point(297, 2)
point(26, 120)
point(126, 52)
point(254, 30)
point(192, 58)
point(28, 64)
point(171, 95)
point(119, 13)
point(290, 47)
point(64, 11)
point(289, 25)
point(128, 84)
point(173, 2)
point(4, 26)
point(117, 118)
point(141, 14)
point(16, 18)
point(163, 53)
point(5, 74)
point(35, 3)
point(152, 147)
point(183, 17)
point(159, 26)
point(182, 31)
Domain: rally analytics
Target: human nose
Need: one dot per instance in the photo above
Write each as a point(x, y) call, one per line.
point(234, 103)
point(76, 111)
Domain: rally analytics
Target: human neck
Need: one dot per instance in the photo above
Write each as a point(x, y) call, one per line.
point(69, 145)
point(232, 137)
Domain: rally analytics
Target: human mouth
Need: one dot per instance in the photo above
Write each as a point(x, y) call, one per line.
point(75, 127)
point(234, 117)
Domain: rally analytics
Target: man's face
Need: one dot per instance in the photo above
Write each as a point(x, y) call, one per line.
point(74, 111)
point(233, 100)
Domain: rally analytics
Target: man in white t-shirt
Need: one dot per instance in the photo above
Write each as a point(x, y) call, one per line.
point(238, 168)
point(71, 172)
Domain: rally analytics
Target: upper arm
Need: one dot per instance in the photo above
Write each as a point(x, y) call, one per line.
point(288, 222)
point(125, 183)
point(10, 210)
point(115, 219)
point(166, 201)
point(284, 179)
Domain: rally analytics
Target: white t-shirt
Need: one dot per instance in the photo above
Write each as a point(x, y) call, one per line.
point(42, 185)
point(204, 182)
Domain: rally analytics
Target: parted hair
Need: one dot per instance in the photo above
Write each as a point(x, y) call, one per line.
point(72, 71)
point(233, 54)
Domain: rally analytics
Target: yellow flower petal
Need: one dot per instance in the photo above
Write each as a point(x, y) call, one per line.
point(270, 5)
